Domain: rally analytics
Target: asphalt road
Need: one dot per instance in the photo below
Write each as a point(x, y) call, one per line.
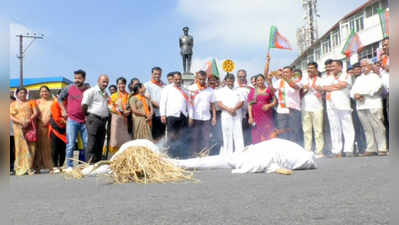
point(344, 191)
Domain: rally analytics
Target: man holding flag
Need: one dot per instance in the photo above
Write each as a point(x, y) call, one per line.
point(289, 116)
point(287, 90)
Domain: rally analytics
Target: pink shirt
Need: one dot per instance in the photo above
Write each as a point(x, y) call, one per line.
point(73, 96)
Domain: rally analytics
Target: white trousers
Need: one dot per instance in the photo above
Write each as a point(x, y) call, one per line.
point(374, 129)
point(341, 124)
point(233, 140)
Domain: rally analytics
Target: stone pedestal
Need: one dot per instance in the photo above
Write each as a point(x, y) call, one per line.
point(188, 79)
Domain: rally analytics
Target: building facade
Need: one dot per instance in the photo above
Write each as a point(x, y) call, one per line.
point(33, 84)
point(364, 20)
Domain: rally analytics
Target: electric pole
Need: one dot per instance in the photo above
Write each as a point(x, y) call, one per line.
point(22, 51)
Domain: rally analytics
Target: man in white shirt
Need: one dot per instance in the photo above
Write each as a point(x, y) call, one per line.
point(231, 102)
point(244, 89)
point(287, 89)
point(337, 85)
point(216, 134)
point(312, 110)
point(170, 77)
point(95, 106)
point(174, 109)
point(201, 119)
point(326, 123)
point(360, 139)
point(367, 92)
point(153, 92)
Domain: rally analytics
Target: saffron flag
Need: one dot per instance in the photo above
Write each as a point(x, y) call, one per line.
point(352, 45)
point(276, 40)
point(211, 68)
point(384, 20)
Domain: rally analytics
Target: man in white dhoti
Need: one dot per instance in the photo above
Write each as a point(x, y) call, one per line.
point(337, 87)
point(231, 102)
point(244, 89)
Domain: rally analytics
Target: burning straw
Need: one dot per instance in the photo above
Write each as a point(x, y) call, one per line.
point(140, 165)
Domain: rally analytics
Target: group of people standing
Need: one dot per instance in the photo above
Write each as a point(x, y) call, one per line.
point(38, 133)
point(343, 111)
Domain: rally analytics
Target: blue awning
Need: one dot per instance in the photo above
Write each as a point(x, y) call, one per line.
point(14, 82)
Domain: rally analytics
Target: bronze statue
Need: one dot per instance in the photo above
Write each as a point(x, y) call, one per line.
point(186, 49)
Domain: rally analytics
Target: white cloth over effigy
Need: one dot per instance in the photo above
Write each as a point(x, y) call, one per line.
point(266, 156)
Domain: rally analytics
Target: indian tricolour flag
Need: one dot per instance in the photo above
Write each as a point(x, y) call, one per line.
point(276, 40)
point(352, 45)
point(384, 20)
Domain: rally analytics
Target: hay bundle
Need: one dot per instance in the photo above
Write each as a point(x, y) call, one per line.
point(76, 173)
point(141, 165)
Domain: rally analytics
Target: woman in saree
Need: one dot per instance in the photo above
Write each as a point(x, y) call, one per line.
point(23, 114)
point(43, 156)
point(261, 102)
point(120, 110)
point(142, 112)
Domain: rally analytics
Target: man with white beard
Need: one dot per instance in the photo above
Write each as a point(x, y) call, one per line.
point(244, 89)
point(367, 93)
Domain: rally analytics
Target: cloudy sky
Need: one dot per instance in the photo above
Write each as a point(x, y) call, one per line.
point(127, 38)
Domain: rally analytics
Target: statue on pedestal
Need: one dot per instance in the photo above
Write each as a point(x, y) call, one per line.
point(186, 43)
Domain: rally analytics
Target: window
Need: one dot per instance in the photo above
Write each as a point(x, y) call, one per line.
point(372, 10)
point(345, 29)
point(336, 38)
point(356, 23)
point(317, 53)
point(369, 51)
point(326, 46)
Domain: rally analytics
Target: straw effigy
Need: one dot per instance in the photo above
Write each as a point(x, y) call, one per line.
point(140, 165)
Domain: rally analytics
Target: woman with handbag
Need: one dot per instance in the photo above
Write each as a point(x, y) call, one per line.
point(43, 156)
point(23, 114)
